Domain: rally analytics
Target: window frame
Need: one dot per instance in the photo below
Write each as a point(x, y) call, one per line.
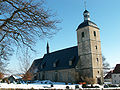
point(94, 33)
point(83, 34)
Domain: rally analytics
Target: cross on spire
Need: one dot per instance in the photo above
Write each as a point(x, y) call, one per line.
point(85, 4)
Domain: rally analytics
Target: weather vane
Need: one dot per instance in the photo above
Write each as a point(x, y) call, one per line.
point(85, 4)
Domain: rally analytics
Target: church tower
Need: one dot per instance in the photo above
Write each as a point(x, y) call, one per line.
point(89, 50)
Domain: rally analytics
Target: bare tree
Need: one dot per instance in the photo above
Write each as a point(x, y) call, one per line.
point(106, 65)
point(28, 76)
point(25, 61)
point(22, 22)
point(1, 75)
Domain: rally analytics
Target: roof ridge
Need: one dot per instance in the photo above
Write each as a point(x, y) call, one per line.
point(62, 49)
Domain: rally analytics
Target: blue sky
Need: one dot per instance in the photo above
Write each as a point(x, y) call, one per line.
point(105, 13)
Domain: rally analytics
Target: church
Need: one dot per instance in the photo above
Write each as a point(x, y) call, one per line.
point(73, 63)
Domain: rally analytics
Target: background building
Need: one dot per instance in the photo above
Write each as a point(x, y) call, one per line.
point(108, 77)
point(116, 75)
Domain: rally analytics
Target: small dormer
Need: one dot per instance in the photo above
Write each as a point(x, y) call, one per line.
point(71, 61)
point(43, 65)
point(55, 64)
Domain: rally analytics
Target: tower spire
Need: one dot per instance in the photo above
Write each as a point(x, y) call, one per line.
point(86, 13)
point(47, 48)
point(85, 4)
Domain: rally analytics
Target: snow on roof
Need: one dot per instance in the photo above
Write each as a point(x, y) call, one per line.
point(6, 75)
point(17, 77)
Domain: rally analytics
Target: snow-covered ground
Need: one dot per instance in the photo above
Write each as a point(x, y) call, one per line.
point(46, 84)
point(36, 86)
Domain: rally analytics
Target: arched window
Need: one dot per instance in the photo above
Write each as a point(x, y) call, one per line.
point(98, 72)
point(96, 46)
point(94, 33)
point(83, 34)
point(97, 59)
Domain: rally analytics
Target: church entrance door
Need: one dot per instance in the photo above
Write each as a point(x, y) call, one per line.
point(98, 80)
